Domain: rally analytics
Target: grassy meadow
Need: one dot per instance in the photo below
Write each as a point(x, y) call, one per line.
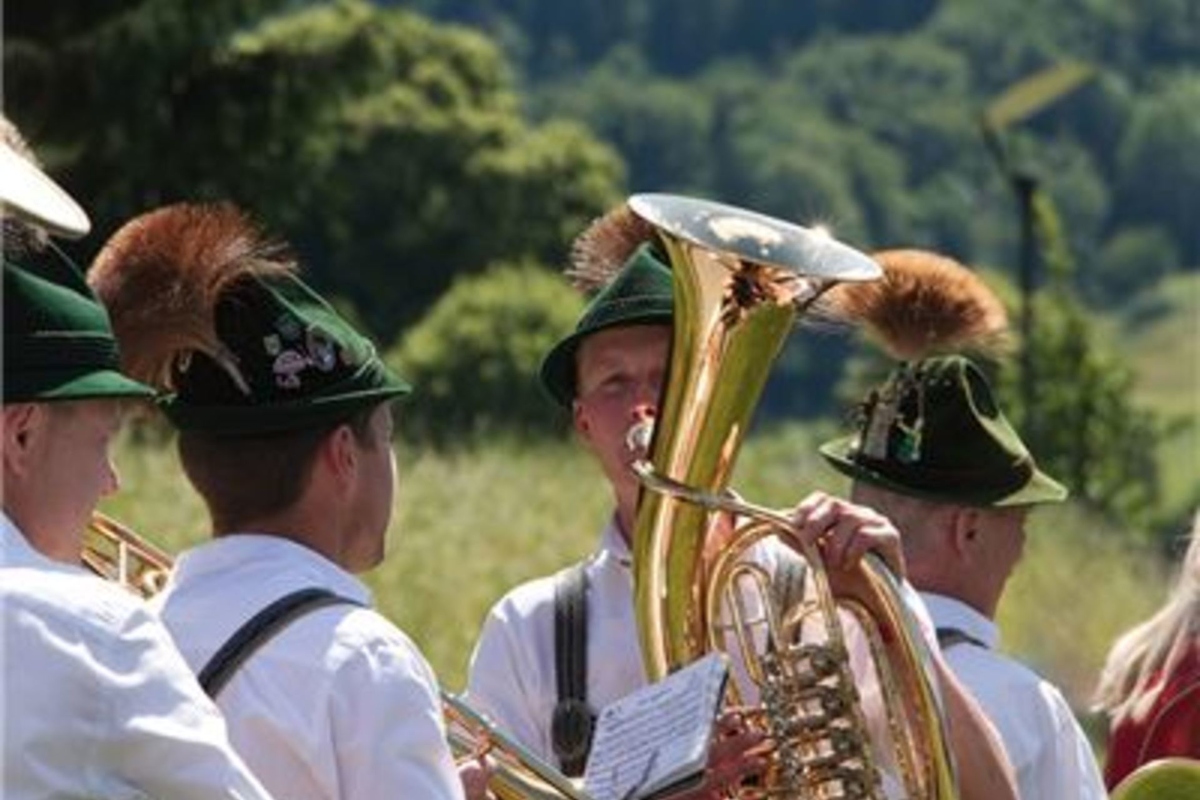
point(471, 523)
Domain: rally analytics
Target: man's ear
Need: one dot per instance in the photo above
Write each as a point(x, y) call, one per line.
point(22, 424)
point(964, 526)
point(339, 454)
point(579, 420)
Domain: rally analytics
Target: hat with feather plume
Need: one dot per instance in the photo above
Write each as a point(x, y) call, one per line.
point(615, 259)
point(933, 428)
point(212, 312)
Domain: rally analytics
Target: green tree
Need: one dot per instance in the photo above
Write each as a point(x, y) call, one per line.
point(1082, 425)
point(474, 357)
point(663, 130)
point(391, 150)
point(1134, 259)
point(1159, 162)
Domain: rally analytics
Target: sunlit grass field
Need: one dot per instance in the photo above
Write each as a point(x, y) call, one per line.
point(472, 523)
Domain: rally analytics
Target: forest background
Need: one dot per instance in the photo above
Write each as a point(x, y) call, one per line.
point(431, 161)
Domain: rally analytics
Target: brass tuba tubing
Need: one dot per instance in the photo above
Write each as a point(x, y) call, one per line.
point(740, 281)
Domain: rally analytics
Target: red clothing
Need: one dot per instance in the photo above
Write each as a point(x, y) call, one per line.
point(1172, 728)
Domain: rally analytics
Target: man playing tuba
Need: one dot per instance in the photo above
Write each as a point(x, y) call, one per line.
point(555, 648)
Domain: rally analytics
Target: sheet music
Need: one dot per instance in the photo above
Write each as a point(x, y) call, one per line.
point(658, 735)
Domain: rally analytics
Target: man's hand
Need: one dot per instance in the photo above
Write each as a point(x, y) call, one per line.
point(844, 532)
point(738, 753)
point(474, 774)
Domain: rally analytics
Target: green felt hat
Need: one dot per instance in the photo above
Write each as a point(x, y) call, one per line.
point(933, 430)
point(639, 294)
point(295, 364)
point(58, 344)
point(211, 311)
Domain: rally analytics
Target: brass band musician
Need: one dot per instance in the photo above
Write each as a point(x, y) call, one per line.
point(608, 372)
point(97, 701)
point(285, 430)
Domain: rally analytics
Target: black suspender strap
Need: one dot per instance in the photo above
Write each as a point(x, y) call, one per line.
point(259, 630)
point(949, 637)
point(790, 575)
point(573, 721)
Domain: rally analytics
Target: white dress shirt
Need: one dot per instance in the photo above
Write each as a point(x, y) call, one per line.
point(512, 672)
point(96, 700)
point(340, 705)
point(1047, 748)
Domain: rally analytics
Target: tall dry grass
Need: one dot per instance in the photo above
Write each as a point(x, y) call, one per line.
point(472, 523)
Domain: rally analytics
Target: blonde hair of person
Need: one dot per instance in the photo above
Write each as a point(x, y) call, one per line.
point(1128, 686)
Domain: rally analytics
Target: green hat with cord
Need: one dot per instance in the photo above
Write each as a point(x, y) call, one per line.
point(933, 430)
point(58, 343)
point(639, 294)
point(215, 315)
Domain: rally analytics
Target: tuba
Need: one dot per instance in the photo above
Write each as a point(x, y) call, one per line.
point(740, 281)
point(119, 554)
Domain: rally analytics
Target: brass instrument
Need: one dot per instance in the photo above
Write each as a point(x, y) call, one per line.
point(517, 772)
point(740, 279)
point(1174, 778)
point(118, 554)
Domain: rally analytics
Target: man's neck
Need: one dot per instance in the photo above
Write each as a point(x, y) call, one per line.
point(292, 526)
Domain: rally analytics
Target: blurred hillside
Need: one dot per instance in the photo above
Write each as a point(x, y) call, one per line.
point(431, 161)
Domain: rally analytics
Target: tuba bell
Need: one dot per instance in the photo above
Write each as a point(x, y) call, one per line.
point(740, 281)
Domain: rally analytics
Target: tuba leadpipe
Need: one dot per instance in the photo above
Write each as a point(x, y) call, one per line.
point(740, 281)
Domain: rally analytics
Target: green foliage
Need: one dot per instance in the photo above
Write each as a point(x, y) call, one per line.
point(1080, 422)
point(1134, 259)
point(1069, 550)
point(663, 130)
point(470, 524)
point(474, 358)
point(677, 36)
point(1159, 162)
point(389, 149)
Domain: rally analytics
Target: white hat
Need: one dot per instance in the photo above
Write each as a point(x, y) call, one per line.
point(31, 193)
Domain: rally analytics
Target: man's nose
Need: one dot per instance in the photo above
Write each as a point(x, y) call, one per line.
point(644, 411)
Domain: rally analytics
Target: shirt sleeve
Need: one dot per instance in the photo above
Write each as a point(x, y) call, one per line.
point(1063, 766)
point(504, 680)
point(163, 736)
point(387, 720)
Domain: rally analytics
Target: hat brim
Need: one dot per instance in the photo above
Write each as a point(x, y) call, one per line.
point(28, 190)
point(63, 385)
point(275, 418)
point(1039, 488)
point(558, 367)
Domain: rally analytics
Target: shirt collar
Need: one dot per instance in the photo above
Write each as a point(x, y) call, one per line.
point(232, 551)
point(947, 612)
point(15, 549)
point(613, 546)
